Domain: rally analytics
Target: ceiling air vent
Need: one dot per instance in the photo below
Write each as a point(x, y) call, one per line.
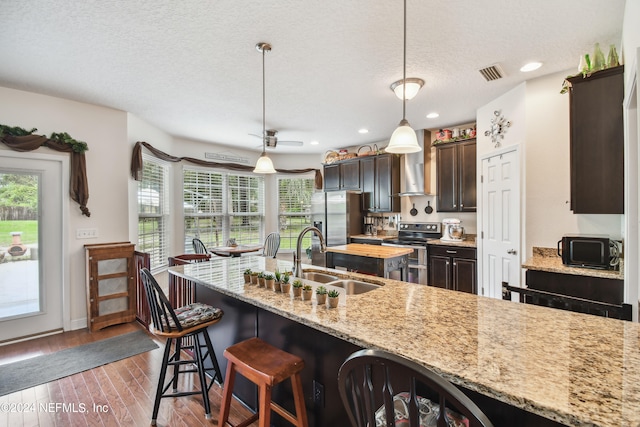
point(493, 72)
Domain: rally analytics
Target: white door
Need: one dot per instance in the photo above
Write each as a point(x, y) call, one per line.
point(31, 243)
point(500, 213)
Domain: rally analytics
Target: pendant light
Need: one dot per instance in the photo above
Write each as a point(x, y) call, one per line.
point(264, 164)
point(403, 139)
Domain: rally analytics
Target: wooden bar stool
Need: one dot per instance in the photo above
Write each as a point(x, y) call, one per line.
point(265, 366)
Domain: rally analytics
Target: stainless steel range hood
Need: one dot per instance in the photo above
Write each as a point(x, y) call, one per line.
point(413, 168)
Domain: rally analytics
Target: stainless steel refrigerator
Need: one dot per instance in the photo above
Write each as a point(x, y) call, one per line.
point(338, 214)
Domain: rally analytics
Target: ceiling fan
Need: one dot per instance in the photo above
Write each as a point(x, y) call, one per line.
point(271, 140)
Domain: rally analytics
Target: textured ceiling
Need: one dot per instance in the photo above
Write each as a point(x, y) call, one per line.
point(191, 67)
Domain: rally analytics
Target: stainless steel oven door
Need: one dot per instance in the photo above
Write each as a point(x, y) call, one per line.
point(417, 263)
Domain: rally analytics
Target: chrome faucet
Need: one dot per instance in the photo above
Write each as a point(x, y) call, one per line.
point(297, 257)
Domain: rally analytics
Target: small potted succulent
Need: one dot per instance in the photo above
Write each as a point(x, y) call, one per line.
point(297, 288)
point(321, 295)
point(269, 280)
point(285, 282)
point(334, 297)
point(247, 275)
point(261, 279)
point(254, 277)
point(278, 275)
point(307, 291)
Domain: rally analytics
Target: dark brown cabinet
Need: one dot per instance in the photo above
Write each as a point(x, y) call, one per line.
point(456, 177)
point(597, 142)
point(600, 296)
point(342, 176)
point(378, 177)
point(380, 182)
point(452, 267)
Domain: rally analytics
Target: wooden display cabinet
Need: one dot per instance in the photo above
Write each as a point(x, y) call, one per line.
point(111, 284)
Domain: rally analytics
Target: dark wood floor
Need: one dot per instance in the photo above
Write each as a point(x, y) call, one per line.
point(117, 394)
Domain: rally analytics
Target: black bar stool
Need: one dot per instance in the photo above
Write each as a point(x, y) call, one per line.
point(190, 321)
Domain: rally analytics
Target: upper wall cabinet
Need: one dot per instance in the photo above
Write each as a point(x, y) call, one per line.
point(597, 142)
point(376, 176)
point(456, 176)
point(380, 179)
point(343, 175)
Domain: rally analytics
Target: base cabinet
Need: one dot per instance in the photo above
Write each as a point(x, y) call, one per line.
point(453, 268)
point(111, 284)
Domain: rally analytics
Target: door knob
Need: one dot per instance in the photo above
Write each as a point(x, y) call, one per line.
point(512, 251)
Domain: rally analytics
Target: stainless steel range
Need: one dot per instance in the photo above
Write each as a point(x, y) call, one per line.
point(415, 236)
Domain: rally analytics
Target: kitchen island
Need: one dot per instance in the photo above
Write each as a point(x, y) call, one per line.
point(371, 259)
point(524, 365)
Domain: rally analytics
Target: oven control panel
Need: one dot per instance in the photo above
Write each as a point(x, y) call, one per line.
point(427, 227)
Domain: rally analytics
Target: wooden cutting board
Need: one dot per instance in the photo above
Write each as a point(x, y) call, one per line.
point(371, 251)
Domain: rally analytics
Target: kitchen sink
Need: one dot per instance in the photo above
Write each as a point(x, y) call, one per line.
point(353, 287)
point(314, 276)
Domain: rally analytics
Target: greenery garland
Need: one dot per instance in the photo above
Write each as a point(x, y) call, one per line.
point(62, 137)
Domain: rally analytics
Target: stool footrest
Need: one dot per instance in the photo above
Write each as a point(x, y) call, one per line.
point(284, 413)
point(248, 421)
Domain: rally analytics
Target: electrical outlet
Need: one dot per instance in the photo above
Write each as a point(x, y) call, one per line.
point(318, 394)
point(86, 233)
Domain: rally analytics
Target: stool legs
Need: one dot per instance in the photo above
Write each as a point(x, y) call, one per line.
point(301, 410)
point(198, 359)
point(265, 405)
point(163, 374)
point(227, 395)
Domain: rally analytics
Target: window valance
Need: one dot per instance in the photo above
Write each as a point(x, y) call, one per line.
point(136, 163)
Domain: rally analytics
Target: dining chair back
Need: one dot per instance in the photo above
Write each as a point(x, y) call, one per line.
point(199, 247)
point(271, 245)
point(385, 390)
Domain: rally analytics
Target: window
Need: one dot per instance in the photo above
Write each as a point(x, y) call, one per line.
point(219, 206)
point(294, 213)
point(153, 211)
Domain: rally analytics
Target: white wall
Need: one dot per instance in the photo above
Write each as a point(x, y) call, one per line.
point(104, 130)
point(630, 54)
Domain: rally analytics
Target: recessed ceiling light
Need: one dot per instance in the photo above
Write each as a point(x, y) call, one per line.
point(314, 143)
point(432, 115)
point(363, 130)
point(531, 66)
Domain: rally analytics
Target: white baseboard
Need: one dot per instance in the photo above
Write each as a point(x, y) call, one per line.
point(78, 324)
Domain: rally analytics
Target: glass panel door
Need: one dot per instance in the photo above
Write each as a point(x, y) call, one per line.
point(31, 244)
point(19, 264)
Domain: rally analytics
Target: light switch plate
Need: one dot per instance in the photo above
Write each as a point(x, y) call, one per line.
point(86, 233)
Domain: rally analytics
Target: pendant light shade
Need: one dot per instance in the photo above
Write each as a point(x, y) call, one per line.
point(264, 163)
point(404, 139)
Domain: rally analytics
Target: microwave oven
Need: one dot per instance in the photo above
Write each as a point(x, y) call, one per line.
point(590, 252)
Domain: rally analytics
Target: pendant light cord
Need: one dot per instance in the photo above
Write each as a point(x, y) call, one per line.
point(404, 64)
point(264, 132)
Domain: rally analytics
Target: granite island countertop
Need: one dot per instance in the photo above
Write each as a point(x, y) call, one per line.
point(573, 368)
point(547, 259)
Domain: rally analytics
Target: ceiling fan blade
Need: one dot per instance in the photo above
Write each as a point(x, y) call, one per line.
point(291, 143)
